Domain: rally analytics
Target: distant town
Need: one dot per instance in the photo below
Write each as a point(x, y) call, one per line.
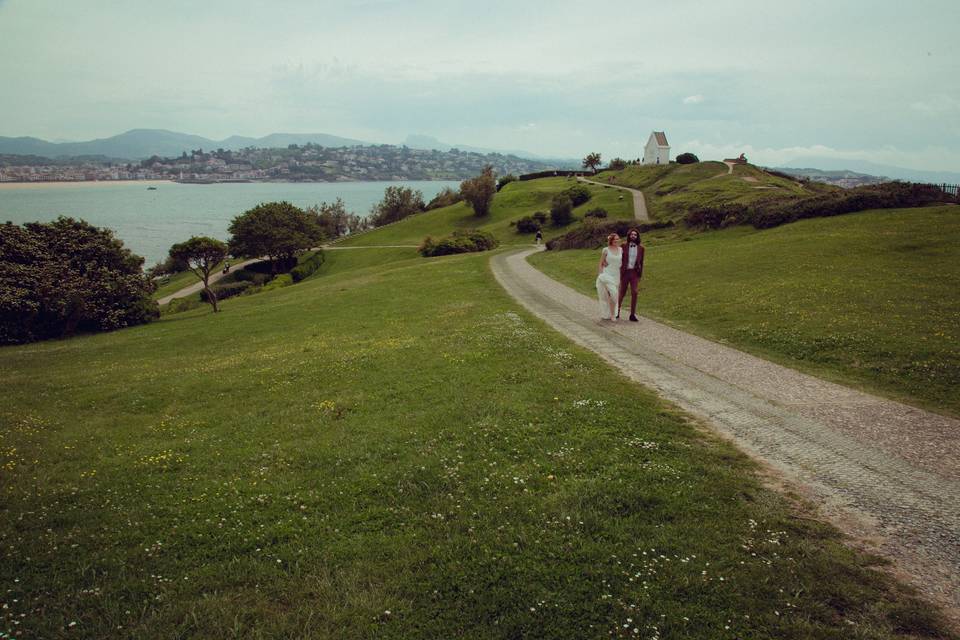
point(295, 163)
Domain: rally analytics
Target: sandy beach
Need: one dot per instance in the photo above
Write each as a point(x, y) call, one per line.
point(4, 186)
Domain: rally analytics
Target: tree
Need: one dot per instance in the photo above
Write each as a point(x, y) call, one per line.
point(65, 276)
point(503, 181)
point(397, 204)
point(687, 158)
point(592, 161)
point(617, 164)
point(335, 221)
point(561, 211)
point(277, 230)
point(202, 255)
point(479, 191)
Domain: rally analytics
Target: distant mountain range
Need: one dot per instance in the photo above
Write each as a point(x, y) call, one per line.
point(872, 169)
point(138, 144)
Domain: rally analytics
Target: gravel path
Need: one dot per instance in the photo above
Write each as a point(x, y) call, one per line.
point(886, 472)
point(639, 202)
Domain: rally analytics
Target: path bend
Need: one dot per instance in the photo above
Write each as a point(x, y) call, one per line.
point(879, 469)
point(639, 202)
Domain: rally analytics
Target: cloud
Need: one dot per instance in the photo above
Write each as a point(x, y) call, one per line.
point(694, 99)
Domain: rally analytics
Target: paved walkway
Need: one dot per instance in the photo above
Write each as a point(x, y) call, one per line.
point(639, 202)
point(197, 286)
point(884, 471)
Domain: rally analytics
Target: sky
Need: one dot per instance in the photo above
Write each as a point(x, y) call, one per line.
point(873, 80)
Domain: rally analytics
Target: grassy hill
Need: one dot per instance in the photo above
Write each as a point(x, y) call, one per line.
point(391, 448)
point(670, 190)
point(515, 200)
point(868, 299)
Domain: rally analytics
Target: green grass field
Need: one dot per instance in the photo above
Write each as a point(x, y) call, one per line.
point(392, 451)
point(671, 190)
point(868, 299)
point(515, 200)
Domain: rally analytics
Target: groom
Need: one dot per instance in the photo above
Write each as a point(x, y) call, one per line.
point(631, 270)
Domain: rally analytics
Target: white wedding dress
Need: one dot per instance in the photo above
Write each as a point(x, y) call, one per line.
point(608, 282)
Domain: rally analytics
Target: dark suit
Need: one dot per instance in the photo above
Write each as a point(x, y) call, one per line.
point(630, 276)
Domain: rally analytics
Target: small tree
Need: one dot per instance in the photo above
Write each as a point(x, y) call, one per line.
point(561, 211)
point(479, 191)
point(617, 164)
point(687, 158)
point(202, 255)
point(592, 161)
point(277, 230)
point(397, 204)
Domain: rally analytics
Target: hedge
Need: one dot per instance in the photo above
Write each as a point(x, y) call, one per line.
point(457, 242)
point(591, 236)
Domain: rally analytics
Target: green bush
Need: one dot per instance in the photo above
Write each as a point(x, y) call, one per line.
point(458, 242)
point(255, 278)
point(445, 198)
point(282, 280)
point(308, 266)
point(578, 194)
point(224, 290)
point(687, 158)
point(561, 211)
point(527, 224)
point(541, 217)
point(599, 212)
point(179, 305)
point(772, 212)
point(65, 277)
point(503, 181)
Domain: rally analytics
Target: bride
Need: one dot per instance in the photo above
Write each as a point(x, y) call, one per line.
point(608, 278)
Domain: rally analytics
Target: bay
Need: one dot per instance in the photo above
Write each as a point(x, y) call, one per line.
point(149, 221)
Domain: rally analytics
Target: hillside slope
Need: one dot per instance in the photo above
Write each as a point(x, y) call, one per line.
point(514, 201)
point(393, 452)
point(671, 190)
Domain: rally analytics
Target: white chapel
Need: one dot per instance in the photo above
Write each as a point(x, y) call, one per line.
point(657, 150)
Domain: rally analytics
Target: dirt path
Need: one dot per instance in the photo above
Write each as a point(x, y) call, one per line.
point(730, 166)
point(639, 202)
point(883, 471)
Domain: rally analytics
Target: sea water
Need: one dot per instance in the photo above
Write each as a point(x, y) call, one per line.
point(150, 221)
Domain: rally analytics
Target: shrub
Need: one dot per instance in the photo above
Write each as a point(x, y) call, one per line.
point(308, 266)
point(527, 224)
point(457, 242)
point(578, 194)
point(397, 204)
point(617, 164)
point(282, 280)
point(561, 210)
point(503, 181)
point(687, 158)
point(599, 212)
point(67, 276)
point(540, 217)
point(595, 235)
point(246, 274)
point(445, 198)
point(179, 305)
point(772, 212)
point(225, 290)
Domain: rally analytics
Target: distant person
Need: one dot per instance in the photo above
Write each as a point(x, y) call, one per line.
point(608, 277)
point(539, 236)
point(226, 267)
point(631, 270)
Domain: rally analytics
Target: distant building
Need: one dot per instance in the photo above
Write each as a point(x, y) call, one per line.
point(657, 150)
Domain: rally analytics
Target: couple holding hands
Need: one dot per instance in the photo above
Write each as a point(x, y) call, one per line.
point(621, 266)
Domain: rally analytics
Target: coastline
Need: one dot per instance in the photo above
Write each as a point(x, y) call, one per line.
point(4, 186)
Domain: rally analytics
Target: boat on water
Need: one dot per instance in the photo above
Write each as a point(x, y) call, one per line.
point(151, 188)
